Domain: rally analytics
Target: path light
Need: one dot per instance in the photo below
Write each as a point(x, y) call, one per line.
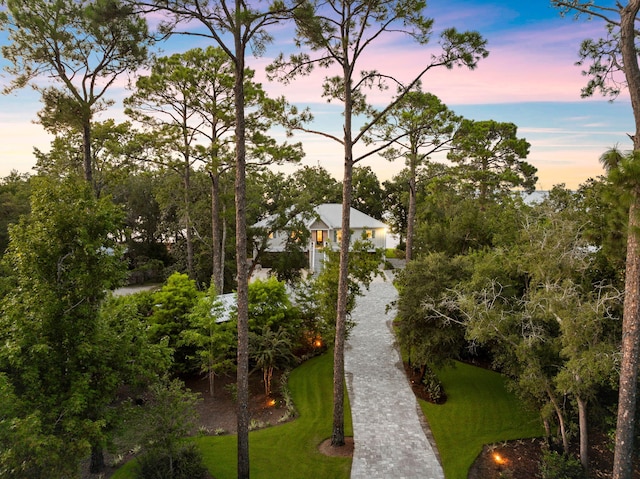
point(271, 402)
point(500, 461)
point(317, 343)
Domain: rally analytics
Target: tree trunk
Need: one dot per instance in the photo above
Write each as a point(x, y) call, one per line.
point(223, 249)
point(547, 429)
point(86, 151)
point(97, 464)
point(623, 455)
point(241, 253)
point(187, 216)
point(584, 433)
point(411, 214)
point(337, 436)
point(627, 395)
point(563, 430)
point(215, 232)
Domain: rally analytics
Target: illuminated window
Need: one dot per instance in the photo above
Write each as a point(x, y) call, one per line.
point(337, 236)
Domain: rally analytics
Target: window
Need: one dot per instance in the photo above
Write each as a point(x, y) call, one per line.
point(337, 235)
point(371, 234)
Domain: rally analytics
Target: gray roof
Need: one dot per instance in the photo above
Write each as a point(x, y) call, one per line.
point(331, 215)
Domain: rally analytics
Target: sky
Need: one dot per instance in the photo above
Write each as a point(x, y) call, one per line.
point(529, 78)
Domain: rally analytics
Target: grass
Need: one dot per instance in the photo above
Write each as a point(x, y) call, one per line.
point(289, 450)
point(479, 410)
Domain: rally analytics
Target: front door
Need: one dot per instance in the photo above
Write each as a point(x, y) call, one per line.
point(319, 238)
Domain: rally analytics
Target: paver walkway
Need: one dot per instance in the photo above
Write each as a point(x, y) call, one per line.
point(389, 438)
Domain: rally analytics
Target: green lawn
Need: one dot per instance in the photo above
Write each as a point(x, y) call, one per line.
point(288, 450)
point(479, 410)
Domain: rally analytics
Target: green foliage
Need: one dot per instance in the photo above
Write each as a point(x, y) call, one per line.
point(186, 464)
point(14, 202)
point(58, 351)
point(453, 220)
point(172, 306)
point(433, 386)
point(560, 466)
point(270, 307)
point(428, 328)
point(363, 267)
point(165, 420)
point(367, 196)
point(270, 350)
point(490, 156)
point(84, 46)
point(215, 342)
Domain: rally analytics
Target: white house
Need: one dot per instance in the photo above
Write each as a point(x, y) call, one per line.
point(325, 226)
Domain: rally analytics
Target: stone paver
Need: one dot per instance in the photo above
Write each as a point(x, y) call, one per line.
point(389, 437)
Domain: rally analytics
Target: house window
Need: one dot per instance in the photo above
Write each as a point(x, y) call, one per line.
point(371, 234)
point(271, 235)
point(337, 235)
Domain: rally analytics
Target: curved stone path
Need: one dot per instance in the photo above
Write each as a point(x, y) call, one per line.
point(389, 433)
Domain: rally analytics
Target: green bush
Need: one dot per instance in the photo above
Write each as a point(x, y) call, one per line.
point(186, 464)
point(560, 466)
point(433, 387)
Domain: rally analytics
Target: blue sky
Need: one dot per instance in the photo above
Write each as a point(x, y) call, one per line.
point(529, 79)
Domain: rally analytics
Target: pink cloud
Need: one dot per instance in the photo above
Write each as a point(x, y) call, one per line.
point(535, 63)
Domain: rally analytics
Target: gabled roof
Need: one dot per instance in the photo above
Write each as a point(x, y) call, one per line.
point(331, 215)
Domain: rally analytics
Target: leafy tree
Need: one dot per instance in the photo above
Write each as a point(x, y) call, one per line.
point(341, 35)
point(616, 53)
point(109, 155)
point(234, 27)
point(84, 45)
point(589, 346)
point(215, 342)
point(453, 220)
point(314, 185)
point(424, 331)
point(491, 158)
point(165, 102)
point(287, 206)
point(367, 192)
point(64, 260)
point(14, 202)
point(554, 333)
point(270, 307)
point(172, 306)
point(146, 249)
point(363, 267)
point(166, 419)
point(396, 204)
point(270, 349)
point(419, 126)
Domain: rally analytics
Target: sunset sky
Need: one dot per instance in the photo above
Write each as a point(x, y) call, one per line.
point(529, 79)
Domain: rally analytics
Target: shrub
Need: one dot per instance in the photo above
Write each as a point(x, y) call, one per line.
point(185, 464)
point(560, 466)
point(433, 387)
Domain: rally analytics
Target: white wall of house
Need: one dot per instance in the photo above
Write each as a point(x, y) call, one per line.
point(325, 236)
